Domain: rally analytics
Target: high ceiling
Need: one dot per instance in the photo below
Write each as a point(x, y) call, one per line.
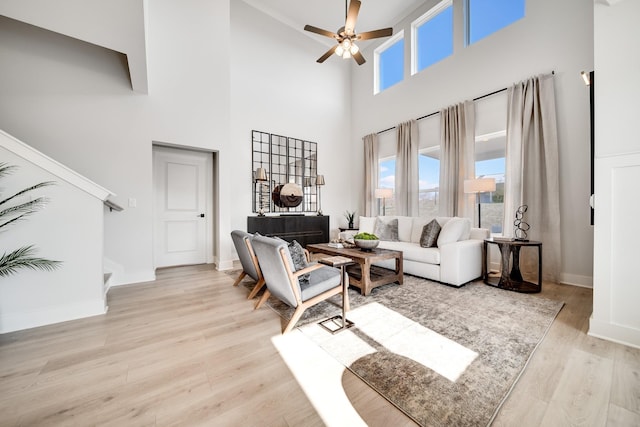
point(330, 14)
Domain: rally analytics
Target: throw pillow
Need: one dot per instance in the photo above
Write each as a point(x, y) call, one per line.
point(453, 230)
point(299, 260)
point(366, 224)
point(387, 230)
point(430, 234)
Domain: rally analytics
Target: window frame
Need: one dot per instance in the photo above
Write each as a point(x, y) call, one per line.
point(376, 61)
point(431, 13)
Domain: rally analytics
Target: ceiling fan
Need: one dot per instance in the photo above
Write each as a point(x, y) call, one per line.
point(346, 36)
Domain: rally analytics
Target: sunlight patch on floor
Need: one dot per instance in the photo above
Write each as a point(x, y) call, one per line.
point(397, 334)
point(319, 376)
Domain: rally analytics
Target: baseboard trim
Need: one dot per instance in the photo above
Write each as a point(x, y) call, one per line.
point(131, 278)
point(224, 265)
point(615, 333)
point(576, 280)
point(11, 322)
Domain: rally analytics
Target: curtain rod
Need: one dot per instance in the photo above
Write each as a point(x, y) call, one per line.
point(437, 112)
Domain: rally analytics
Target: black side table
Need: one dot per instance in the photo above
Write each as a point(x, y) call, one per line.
point(510, 257)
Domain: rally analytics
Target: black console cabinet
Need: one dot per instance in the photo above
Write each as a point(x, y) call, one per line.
point(304, 229)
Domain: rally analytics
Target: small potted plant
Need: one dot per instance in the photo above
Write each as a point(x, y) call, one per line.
point(350, 216)
point(366, 241)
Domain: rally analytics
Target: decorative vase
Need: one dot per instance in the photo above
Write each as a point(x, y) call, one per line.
point(351, 225)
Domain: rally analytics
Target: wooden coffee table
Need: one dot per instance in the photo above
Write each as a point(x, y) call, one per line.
point(363, 274)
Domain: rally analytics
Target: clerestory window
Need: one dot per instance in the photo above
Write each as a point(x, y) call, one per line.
point(432, 36)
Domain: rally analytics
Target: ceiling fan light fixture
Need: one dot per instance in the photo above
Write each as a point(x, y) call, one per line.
point(345, 36)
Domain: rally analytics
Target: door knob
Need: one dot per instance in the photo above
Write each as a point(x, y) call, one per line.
point(201, 215)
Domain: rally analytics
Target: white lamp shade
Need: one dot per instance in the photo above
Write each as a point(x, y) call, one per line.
point(479, 185)
point(383, 193)
point(320, 180)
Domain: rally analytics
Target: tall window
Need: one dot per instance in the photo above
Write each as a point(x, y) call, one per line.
point(432, 36)
point(491, 204)
point(389, 63)
point(485, 17)
point(429, 184)
point(387, 179)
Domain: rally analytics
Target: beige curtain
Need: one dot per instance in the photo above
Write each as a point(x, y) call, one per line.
point(531, 172)
point(406, 195)
point(370, 174)
point(457, 145)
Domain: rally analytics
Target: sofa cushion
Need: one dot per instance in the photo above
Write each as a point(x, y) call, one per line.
point(404, 228)
point(416, 228)
point(366, 224)
point(386, 229)
point(430, 234)
point(453, 230)
point(413, 252)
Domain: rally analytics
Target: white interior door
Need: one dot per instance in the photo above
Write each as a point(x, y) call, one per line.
point(182, 182)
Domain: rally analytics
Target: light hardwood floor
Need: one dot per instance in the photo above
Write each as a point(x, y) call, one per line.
point(188, 349)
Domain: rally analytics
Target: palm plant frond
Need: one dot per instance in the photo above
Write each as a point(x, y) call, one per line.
point(24, 208)
point(26, 190)
point(22, 258)
point(6, 169)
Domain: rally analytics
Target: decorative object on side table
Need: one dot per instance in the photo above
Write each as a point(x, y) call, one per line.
point(521, 227)
point(366, 241)
point(350, 216)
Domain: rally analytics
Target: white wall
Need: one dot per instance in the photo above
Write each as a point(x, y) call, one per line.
point(277, 87)
point(552, 36)
point(73, 101)
point(116, 25)
point(68, 229)
point(617, 65)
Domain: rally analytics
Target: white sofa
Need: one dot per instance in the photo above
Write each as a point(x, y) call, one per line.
point(456, 260)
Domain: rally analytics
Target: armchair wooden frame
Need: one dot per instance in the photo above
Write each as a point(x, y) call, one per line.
point(260, 282)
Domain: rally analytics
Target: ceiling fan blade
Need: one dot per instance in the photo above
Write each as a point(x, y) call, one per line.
point(352, 16)
point(384, 32)
point(359, 58)
point(327, 54)
point(320, 31)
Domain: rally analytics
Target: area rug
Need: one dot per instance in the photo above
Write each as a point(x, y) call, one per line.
point(444, 356)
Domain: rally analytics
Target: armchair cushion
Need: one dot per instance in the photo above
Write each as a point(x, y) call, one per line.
point(321, 277)
point(320, 280)
point(299, 260)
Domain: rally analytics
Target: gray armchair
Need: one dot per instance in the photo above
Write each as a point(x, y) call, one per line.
point(282, 279)
point(250, 267)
